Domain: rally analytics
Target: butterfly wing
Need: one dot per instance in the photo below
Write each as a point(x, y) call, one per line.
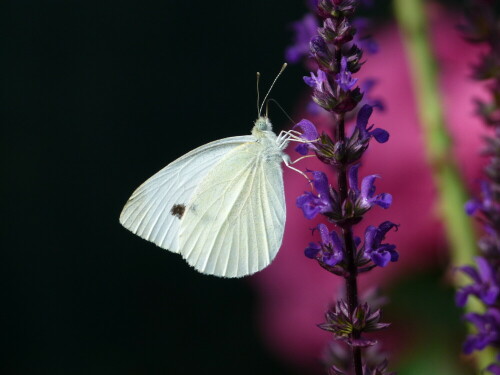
point(155, 209)
point(233, 226)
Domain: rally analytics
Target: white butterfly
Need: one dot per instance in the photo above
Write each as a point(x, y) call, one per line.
point(221, 206)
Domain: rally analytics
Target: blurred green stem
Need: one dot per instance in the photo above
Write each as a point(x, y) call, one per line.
point(452, 193)
point(411, 17)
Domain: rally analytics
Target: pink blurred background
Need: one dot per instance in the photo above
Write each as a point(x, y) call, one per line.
point(295, 292)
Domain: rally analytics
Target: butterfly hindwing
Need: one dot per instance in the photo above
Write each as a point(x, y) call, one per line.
point(233, 225)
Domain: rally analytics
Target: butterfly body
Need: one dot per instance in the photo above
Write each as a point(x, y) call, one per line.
point(221, 206)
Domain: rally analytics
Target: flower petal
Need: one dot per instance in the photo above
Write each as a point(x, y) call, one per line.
point(386, 226)
point(489, 297)
point(310, 205)
point(367, 186)
point(471, 272)
point(470, 344)
point(344, 77)
point(304, 30)
point(309, 131)
point(381, 259)
point(484, 269)
point(325, 235)
point(370, 235)
point(394, 254)
point(320, 182)
point(380, 135)
point(383, 200)
point(462, 296)
point(302, 148)
point(310, 81)
point(363, 116)
point(472, 206)
point(337, 244)
point(332, 259)
point(312, 250)
point(353, 178)
point(494, 369)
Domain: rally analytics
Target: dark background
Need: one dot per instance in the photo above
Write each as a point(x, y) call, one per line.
point(96, 96)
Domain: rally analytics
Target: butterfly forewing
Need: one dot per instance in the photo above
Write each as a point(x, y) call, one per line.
point(233, 225)
point(155, 209)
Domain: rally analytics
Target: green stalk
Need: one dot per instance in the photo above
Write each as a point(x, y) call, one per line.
point(411, 17)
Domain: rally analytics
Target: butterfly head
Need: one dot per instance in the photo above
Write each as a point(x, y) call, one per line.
point(261, 126)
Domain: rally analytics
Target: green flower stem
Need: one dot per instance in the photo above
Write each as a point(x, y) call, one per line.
point(411, 17)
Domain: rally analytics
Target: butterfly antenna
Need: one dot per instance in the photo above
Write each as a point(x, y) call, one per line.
point(272, 85)
point(258, 93)
point(280, 107)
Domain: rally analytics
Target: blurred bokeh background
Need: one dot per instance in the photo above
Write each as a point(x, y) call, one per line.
point(96, 96)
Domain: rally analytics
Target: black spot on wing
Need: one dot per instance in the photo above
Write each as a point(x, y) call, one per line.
point(178, 210)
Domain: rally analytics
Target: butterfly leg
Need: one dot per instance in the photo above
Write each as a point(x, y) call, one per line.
point(284, 132)
point(292, 135)
point(289, 163)
point(286, 136)
point(301, 158)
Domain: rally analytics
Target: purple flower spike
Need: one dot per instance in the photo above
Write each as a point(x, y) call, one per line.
point(481, 26)
point(486, 287)
point(304, 30)
point(311, 204)
point(488, 330)
point(381, 254)
point(336, 55)
point(309, 133)
point(344, 77)
point(365, 198)
point(380, 135)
